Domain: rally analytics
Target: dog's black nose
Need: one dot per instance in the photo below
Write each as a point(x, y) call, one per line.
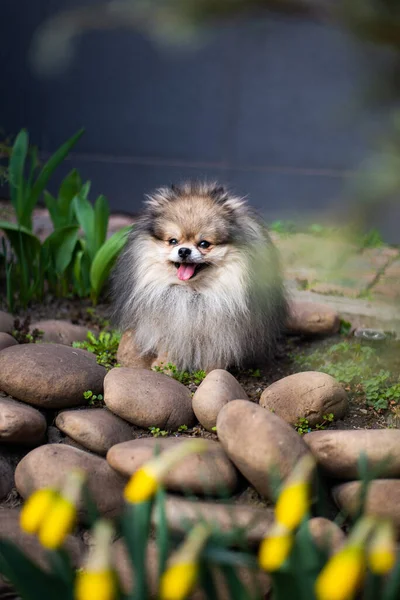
point(184, 252)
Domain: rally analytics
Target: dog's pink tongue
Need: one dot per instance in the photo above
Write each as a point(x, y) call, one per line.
point(186, 271)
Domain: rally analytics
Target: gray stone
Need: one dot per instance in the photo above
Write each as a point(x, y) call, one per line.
point(310, 394)
point(180, 513)
point(383, 498)
point(218, 388)
point(58, 331)
point(7, 340)
point(6, 477)
point(129, 356)
point(96, 429)
point(259, 443)
point(20, 424)
point(6, 322)
point(48, 465)
point(148, 399)
point(49, 375)
point(211, 472)
point(308, 318)
point(338, 451)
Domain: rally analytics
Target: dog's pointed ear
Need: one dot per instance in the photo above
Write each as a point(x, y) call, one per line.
point(159, 198)
point(231, 203)
point(218, 193)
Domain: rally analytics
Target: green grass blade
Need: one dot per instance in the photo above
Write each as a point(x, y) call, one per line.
point(391, 590)
point(61, 244)
point(61, 566)
point(206, 580)
point(101, 216)
point(47, 171)
point(373, 587)
point(104, 261)
point(162, 537)
point(28, 579)
point(92, 513)
point(16, 173)
point(136, 529)
point(237, 590)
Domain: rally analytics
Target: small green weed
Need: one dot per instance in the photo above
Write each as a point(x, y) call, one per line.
point(93, 398)
point(182, 428)
point(183, 376)
point(23, 334)
point(302, 426)
point(104, 346)
point(345, 327)
point(157, 432)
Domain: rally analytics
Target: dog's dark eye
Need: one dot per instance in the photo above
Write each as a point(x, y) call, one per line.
point(204, 244)
point(173, 242)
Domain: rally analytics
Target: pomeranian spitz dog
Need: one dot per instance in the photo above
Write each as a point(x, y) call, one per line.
point(199, 281)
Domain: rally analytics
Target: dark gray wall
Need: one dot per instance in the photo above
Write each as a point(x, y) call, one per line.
point(264, 106)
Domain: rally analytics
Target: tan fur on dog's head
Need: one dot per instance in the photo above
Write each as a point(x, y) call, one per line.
point(197, 224)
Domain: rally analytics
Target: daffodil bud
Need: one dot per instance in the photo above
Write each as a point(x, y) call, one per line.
point(180, 577)
point(144, 482)
point(295, 498)
point(381, 553)
point(178, 581)
point(275, 548)
point(97, 580)
point(342, 575)
point(36, 508)
point(61, 517)
point(58, 524)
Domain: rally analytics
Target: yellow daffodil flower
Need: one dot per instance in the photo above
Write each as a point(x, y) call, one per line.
point(342, 575)
point(35, 509)
point(381, 554)
point(144, 482)
point(275, 548)
point(180, 577)
point(295, 498)
point(97, 580)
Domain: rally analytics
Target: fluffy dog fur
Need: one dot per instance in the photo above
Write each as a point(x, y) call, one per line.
point(231, 311)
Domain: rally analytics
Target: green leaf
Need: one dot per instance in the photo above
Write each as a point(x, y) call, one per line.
point(52, 207)
point(44, 176)
point(69, 188)
point(105, 259)
point(14, 231)
point(101, 215)
point(16, 173)
point(28, 579)
point(85, 214)
point(61, 244)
